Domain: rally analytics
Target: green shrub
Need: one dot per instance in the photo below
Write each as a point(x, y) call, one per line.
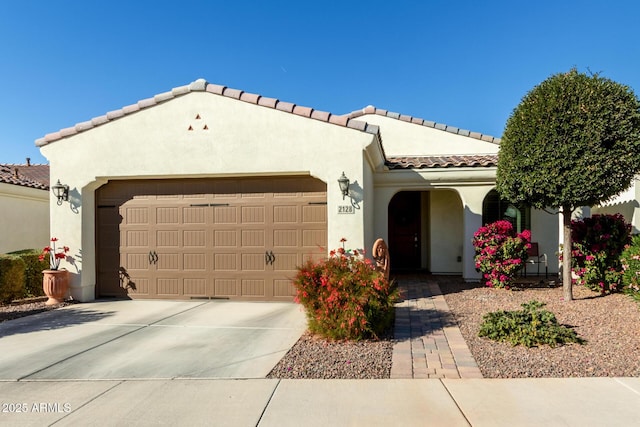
point(11, 278)
point(630, 261)
point(345, 297)
point(33, 272)
point(529, 327)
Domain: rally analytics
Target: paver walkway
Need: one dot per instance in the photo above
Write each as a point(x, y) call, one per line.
point(429, 342)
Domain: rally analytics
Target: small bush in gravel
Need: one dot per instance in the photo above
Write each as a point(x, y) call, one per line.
point(630, 261)
point(345, 297)
point(530, 327)
point(500, 252)
point(598, 242)
point(11, 278)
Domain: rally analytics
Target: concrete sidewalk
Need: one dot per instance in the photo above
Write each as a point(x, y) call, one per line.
point(269, 402)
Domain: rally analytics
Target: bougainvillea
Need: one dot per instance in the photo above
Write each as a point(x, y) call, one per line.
point(598, 242)
point(345, 297)
point(500, 253)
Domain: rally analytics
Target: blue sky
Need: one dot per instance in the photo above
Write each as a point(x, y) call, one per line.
point(462, 63)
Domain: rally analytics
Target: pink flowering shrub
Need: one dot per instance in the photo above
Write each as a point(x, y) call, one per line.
point(345, 297)
point(500, 253)
point(598, 242)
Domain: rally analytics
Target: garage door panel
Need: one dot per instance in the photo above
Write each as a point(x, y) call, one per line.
point(286, 238)
point(167, 238)
point(133, 238)
point(194, 262)
point(195, 287)
point(283, 288)
point(285, 214)
point(253, 238)
point(253, 261)
point(225, 238)
point(194, 238)
point(253, 215)
point(167, 215)
point(253, 288)
point(168, 261)
point(136, 215)
point(314, 238)
point(225, 215)
point(225, 262)
point(168, 287)
point(226, 288)
point(314, 214)
point(136, 261)
point(286, 261)
point(194, 215)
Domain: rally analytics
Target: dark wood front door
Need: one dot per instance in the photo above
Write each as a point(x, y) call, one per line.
point(404, 230)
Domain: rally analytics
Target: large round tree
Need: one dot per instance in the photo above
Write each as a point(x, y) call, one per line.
point(574, 140)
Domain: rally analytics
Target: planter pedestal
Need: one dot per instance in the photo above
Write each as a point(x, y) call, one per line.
point(55, 284)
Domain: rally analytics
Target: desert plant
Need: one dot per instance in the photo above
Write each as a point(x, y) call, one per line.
point(345, 297)
point(500, 252)
point(530, 327)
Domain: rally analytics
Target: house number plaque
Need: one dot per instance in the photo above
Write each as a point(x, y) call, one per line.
point(346, 209)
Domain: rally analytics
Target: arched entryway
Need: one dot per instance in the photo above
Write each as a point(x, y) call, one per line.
point(426, 231)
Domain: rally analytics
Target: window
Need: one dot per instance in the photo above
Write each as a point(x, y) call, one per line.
point(494, 209)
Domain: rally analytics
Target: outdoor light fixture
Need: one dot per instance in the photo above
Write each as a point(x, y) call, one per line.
point(343, 182)
point(61, 191)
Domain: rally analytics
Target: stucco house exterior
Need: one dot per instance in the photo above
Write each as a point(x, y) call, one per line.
point(24, 206)
point(211, 192)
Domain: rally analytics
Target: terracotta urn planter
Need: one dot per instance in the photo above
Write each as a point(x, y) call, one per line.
point(55, 284)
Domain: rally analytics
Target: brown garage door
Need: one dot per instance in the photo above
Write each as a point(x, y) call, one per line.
point(190, 238)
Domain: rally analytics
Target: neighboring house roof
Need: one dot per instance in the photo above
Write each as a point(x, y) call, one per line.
point(34, 176)
point(426, 162)
point(346, 120)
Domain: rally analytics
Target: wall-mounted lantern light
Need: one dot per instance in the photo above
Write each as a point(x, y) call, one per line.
point(61, 191)
point(343, 182)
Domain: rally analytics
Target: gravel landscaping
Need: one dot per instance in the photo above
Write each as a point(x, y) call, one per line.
point(610, 325)
point(26, 308)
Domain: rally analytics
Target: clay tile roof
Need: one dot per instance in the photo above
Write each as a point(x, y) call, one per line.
point(201, 85)
point(440, 126)
point(457, 161)
point(29, 175)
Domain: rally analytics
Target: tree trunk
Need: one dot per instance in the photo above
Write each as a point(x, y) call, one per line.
point(566, 255)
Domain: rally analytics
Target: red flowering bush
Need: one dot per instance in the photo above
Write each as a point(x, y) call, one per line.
point(500, 253)
point(345, 297)
point(54, 255)
point(598, 242)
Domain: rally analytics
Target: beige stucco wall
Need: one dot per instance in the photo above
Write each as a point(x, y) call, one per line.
point(401, 138)
point(242, 139)
point(24, 218)
point(447, 232)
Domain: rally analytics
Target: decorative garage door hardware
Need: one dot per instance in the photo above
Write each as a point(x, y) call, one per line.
point(202, 205)
point(153, 257)
point(269, 258)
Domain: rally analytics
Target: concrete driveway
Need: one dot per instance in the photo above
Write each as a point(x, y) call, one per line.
point(150, 339)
